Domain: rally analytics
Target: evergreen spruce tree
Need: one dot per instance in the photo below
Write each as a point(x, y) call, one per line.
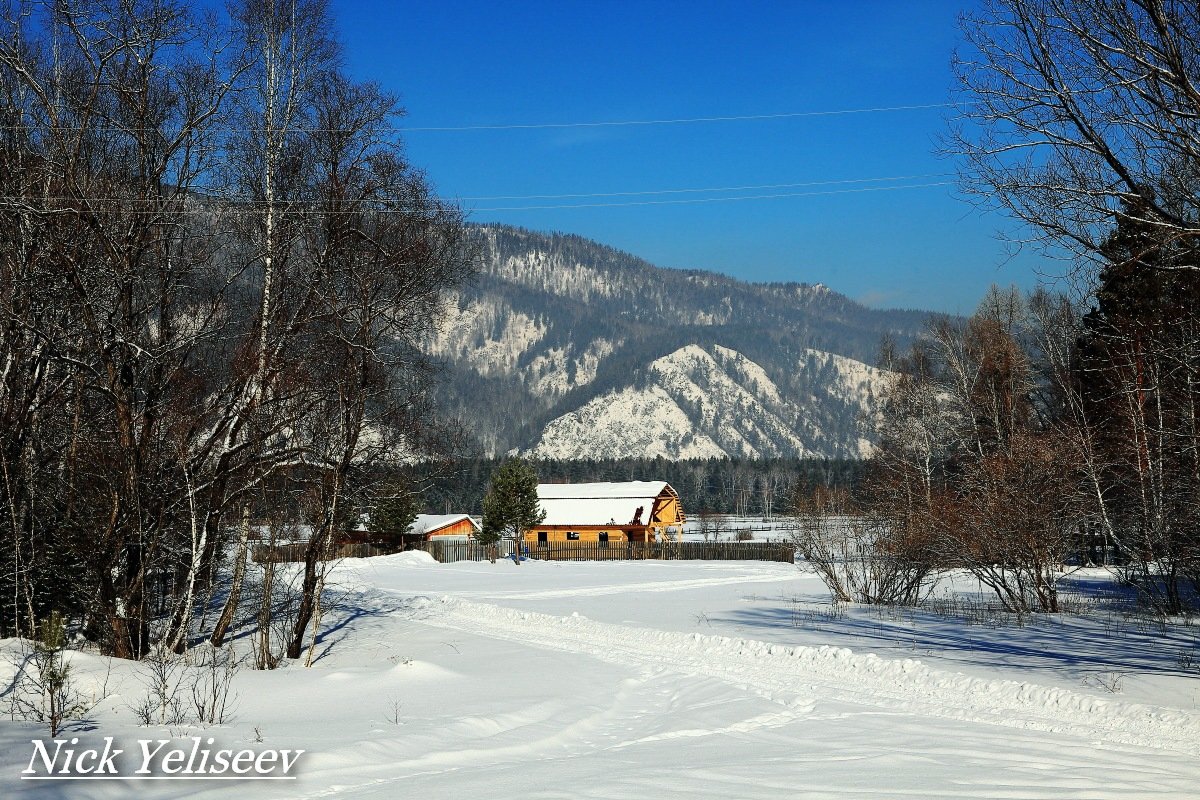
point(392, 516)
point(510, 506)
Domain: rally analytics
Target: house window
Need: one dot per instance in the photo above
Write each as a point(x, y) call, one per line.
point(542, 539)
point(604, 538)
point(572, 536)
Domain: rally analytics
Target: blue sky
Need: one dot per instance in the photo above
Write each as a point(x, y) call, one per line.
point(467, 63)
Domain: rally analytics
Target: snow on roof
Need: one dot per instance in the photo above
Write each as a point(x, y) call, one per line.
point(598, 503)
point(576, 491)
point(426, 523)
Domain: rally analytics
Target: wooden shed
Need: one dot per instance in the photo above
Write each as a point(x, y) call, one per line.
point(634, 511)
point(442, 526)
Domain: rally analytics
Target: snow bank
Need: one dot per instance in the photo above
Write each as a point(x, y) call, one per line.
point(818, 672)
point(412, 558)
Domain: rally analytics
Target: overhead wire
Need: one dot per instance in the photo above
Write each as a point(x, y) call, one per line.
point(253, 207)
point(536, 125)
point(676, 121)
point(692, 201)
point(711, 189)
point(582, 195)
point(245, 206)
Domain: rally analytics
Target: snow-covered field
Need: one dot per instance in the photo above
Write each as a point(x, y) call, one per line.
point(681, 679)
point(727, 528)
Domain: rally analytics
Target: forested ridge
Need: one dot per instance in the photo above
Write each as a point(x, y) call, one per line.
point(554, 321)
point(758, 487)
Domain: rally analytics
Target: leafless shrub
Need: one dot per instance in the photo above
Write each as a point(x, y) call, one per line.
point(972, 611)
point(862, 556)
point(1108, 681)
point(163, 673)
point(394, 707)
point(213, 676)
point(807, 616)
point(181, 689)
point(1188, 659)
point(708, 526)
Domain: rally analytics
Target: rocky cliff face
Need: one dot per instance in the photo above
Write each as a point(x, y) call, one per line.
point(566, 348)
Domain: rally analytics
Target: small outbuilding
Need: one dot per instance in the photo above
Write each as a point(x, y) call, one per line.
point(426, 527)
point(442, 527)
point(633, 511)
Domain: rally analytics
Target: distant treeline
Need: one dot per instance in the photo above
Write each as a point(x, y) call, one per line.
point(720, 486)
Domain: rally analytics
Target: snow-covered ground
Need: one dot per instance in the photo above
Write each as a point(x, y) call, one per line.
point(683, 679)
point(728, 527)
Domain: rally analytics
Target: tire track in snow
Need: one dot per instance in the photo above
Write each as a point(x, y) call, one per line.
point(578, 733)
point(624, 588)
point(833, 673)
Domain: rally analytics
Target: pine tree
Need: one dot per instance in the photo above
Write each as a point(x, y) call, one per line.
point(510, 506)
point(392, 516)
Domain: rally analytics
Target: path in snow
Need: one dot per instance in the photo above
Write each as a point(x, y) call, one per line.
point(627, 588)
point(804, 674)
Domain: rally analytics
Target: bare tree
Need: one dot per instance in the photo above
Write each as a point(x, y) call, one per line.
point(113, 146)
point(217, 271)
point(289, 50)
point(1075, 114)
point(384, 251)
point(975, 455)
point(1078, 117)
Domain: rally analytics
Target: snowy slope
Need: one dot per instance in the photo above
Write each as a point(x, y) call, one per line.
point(713, 402)
point(661, 680)
point(906, 686)
point(487, 337)
point(555, 323)
point(647, 422)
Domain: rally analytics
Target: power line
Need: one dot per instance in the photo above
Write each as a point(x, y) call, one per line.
point(676, 121)
point(712, 189)
point(519, 125)
point(307, 208)
point(718, 199)
point(246, 202)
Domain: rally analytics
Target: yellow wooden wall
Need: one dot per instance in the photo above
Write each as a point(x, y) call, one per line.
point(587, 533)
point(461, 528)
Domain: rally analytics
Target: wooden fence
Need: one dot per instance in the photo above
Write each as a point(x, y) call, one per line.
point(447, 552)
point(465, 550)
point(294, 551)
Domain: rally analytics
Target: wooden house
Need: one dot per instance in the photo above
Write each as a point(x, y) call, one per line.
point(635, 511)
point(442, 527)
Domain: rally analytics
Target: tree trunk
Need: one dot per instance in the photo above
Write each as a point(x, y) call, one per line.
point(229, 610)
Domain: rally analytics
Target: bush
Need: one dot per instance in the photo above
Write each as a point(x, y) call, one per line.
point(862, 556)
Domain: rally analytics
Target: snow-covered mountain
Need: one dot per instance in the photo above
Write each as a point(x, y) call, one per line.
point(713, 403)
point(566, 348)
